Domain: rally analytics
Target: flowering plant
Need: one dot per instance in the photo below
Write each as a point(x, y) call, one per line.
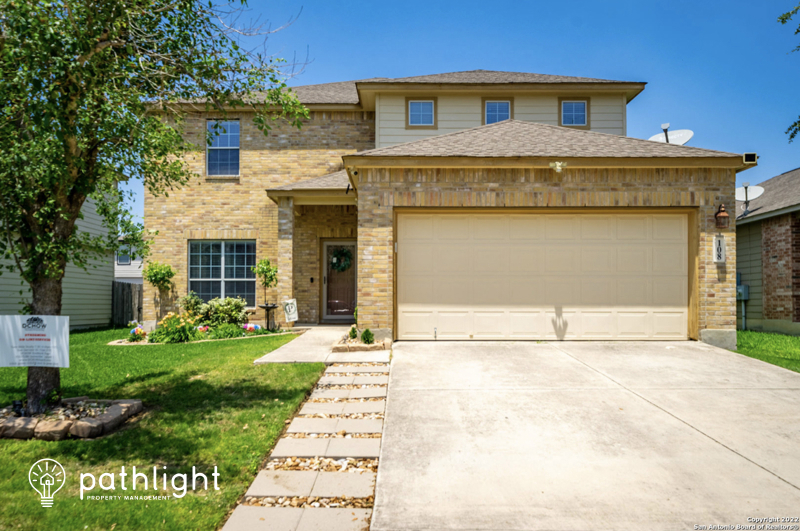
point(137, 334)
point(249, 327)
point(203, 329)
point(175, 328)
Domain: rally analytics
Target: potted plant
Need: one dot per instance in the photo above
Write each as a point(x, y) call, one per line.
point(268, 275)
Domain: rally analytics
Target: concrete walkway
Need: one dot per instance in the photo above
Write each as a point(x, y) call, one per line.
point(583, 436)
point(314, 346)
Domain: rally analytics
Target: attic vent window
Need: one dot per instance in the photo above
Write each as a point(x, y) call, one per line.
point(497, 111)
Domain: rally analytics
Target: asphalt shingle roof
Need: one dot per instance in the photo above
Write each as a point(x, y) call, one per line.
point(331, 181)
point(514, 138)
point(345, 92)
point(780, 192)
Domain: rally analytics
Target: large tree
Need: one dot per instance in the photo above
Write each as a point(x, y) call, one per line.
point(793, 129)
point(93, 94)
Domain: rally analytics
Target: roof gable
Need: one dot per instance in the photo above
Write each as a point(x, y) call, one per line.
point(780, 192)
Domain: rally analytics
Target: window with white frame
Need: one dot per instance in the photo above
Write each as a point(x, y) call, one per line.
point(223, 152)
point(223, 269)
point(420, 112)
point(497, 111)
point(573, 113)
point(124, 256)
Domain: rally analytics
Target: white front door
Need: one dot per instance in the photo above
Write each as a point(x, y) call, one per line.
point(542, 276)
point(339, 281)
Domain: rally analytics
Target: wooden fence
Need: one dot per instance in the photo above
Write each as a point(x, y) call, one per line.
point(126, 303)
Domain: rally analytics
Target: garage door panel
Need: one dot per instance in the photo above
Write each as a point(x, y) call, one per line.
point(490, 227)
point(561, 228)
point(453, 291)
point(454, 324)
point(561, 259)
point(528, 324)
point(528, 259)
point(490, 325)
point(450, 258)
point(543, 276)
point(452, 227)
point(597, 227)
point(525, 227)
point(492, 258)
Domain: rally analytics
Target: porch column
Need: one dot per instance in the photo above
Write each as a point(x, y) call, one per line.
point(285, 256)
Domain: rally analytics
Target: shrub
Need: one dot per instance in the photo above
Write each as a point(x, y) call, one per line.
point(367, 337)
point(175, 328)
point(226, 331)
point(353, 332)
point(159, 275)
point(223, 311)
point(191, 303)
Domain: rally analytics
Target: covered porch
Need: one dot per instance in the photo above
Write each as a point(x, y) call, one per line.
point(317, 251)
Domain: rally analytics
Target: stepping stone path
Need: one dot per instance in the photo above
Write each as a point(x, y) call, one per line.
point(341, 421)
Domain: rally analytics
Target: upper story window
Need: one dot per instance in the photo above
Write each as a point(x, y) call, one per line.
point(496, 111)
point(574, 112)
point(421, 113)
point(223, 269)
point(124, 256)
point(223, 153)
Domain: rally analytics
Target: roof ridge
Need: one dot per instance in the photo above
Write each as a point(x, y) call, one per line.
point(446, 135)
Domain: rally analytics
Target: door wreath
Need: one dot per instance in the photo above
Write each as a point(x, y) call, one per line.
point(341, 259)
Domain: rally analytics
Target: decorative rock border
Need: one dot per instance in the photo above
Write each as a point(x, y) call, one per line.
point(342, 345)
point(56, 430)
point(125, 342)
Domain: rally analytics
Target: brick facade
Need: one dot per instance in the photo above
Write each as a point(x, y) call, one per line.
point(380, 190)
point(238, 208)
point(780, 256)
point(313, 225)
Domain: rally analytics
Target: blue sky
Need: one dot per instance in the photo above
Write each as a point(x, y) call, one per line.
point(722, 69)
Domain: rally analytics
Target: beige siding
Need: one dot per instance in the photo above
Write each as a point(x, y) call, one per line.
point(86, 295)
point(748, 263)
point(457, 112)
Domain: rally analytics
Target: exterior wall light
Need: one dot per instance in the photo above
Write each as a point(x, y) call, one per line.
point(722, 218)
point(558, 166)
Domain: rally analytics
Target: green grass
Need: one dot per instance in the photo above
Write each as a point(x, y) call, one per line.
point(198, 399)
point(778, 349)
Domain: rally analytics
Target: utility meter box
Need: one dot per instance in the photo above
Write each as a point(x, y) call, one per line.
point(742, 293)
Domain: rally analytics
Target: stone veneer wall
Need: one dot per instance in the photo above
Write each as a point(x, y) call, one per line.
point(380, 190)
point(312, 225)
point(238, 207)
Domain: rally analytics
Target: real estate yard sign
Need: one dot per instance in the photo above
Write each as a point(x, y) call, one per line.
point(34, 341)
point(290, 309)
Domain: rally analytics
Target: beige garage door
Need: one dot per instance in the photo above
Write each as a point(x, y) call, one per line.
point(542, 276)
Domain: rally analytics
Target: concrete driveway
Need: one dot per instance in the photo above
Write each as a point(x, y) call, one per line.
point(586, 435)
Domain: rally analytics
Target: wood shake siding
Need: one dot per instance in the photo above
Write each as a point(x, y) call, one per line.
point(238, 207)
point(381, 190)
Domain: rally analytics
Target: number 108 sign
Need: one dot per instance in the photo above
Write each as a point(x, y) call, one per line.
point(719, 249)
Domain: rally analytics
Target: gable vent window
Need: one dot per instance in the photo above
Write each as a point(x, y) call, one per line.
point(420, 113)
point(223, 153)
point(497, 111)
point(573, 113)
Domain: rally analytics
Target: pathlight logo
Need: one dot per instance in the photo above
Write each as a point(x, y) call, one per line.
point(47, 476)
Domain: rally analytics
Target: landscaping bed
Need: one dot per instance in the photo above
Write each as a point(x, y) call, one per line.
point(206, 405)
point(355, 341)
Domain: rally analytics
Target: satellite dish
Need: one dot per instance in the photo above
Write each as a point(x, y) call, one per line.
point(748, 193)
point(679, 136)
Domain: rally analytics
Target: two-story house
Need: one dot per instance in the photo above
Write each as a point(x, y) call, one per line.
point(467, 205)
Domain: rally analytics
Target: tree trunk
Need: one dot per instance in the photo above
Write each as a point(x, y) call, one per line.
point(42, 380)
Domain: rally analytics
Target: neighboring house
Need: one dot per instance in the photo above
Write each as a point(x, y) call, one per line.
point(127, 267)
point(768, 256)
point(86, 294)
point(469, 205)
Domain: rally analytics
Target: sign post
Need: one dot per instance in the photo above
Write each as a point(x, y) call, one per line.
point(34, 341)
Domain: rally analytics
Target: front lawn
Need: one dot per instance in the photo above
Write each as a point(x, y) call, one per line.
point(778, 349)
point(206, 404)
